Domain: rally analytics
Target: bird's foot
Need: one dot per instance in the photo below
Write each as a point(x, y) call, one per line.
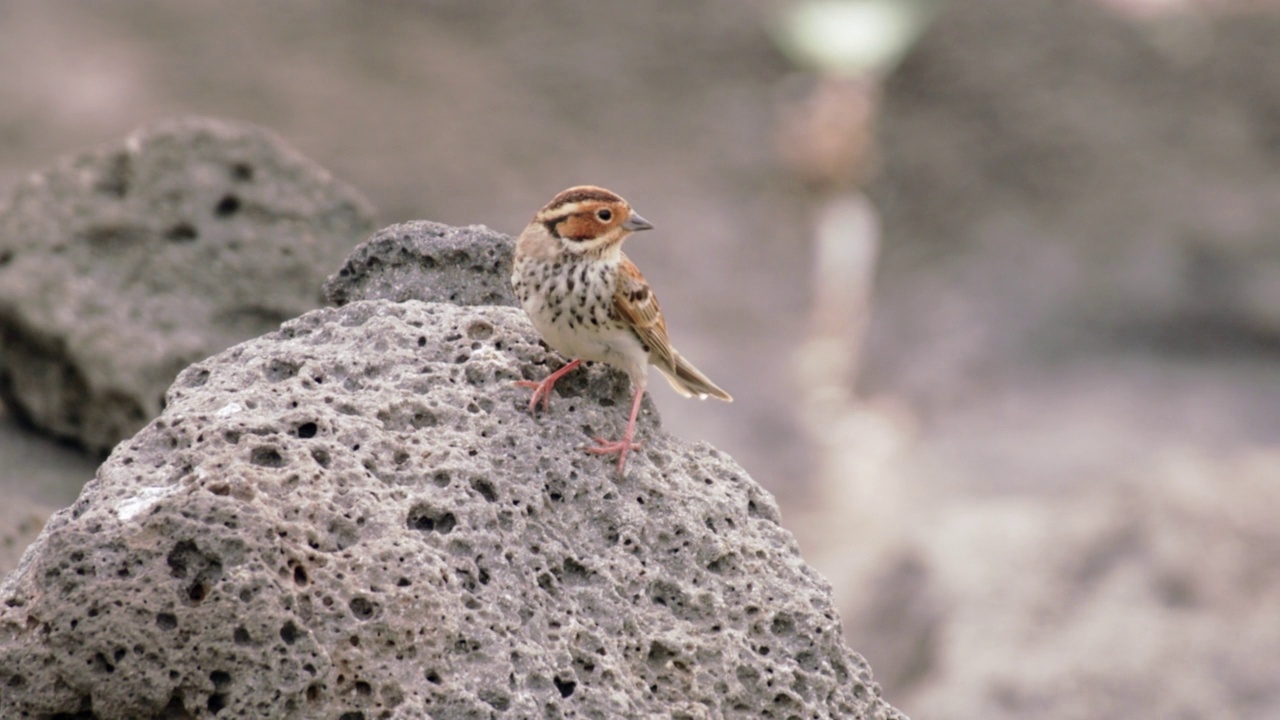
point(615, 447)
point(542, 390)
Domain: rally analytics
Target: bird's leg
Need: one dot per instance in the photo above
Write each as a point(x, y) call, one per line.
point(542, 390)
point(623, 446)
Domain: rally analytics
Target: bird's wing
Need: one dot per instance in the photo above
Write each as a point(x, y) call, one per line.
point(638, 307)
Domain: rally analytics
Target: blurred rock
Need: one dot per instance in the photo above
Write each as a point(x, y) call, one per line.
point(1057, 173)
point(430, 262)
point(1155, 598)
point(357, 515)
point(46, 471)
point(123, 265)
point(20, 522)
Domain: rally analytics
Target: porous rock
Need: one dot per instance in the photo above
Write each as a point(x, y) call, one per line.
point(123, 265)
point(427, 261)
point(357, 517)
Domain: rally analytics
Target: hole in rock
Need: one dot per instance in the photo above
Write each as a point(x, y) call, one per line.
point(566, 687)
point(229, 205)
point(182, 232)
point(361, 607)
point(485, 488)
point(280, 370)
point(266, 456)
point(426, 519)
point(289, 633)
point(321, 457)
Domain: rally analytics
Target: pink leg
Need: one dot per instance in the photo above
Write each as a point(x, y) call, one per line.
point(623, 446)
point(542, 390)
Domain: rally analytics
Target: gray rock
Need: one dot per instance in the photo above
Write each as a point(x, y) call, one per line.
point(20, 523)
point(357, 517)
point(121, 266)
point(427, 261)
point(1064, 208)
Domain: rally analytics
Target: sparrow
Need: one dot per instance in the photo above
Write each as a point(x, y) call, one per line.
point(588, 301)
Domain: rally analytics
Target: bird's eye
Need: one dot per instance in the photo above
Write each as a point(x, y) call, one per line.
point(604, 214)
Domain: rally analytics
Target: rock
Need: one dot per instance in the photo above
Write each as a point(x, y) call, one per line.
point(123, 265)
point(357, 517)
point(20, 523)
point(427, 261)
point(1062, 207)
point(1154, 597)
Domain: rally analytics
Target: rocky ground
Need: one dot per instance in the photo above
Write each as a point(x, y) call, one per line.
point(1058, 478)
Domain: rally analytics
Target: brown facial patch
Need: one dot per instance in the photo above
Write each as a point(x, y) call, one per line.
point(581, 226)
point(580, 220)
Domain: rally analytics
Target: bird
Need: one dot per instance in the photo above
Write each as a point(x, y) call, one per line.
point(589, 302)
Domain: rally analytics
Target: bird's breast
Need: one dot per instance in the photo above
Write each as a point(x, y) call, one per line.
point(570, 302)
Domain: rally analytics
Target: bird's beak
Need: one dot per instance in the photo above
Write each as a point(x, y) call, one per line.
point(635, 222)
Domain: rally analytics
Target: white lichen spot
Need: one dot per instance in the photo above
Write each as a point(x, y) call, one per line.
point(148, 496)
point(229, 409)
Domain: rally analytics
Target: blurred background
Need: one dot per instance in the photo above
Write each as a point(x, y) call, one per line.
point(995, 284)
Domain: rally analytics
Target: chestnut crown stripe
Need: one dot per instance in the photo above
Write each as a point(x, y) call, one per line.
point(582, 194)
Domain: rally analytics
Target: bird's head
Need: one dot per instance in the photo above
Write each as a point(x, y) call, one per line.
point(587, 219)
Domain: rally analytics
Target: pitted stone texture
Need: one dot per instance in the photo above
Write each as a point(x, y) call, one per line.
point(357, 514)
point(427, 261)
point(121, 266)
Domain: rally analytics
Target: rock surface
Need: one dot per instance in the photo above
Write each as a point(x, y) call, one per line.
point(123, 265)
point(356, 517)
point(427, 261)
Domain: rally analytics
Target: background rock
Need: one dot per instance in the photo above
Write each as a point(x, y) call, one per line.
point(121, 266)
point(1063, 208)
point(1151, 598)
point(356, 514)
point(1079, 215)
point(427, 261)
point(20, 523)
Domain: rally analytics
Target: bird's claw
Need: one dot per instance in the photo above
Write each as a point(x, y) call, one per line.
point(612, 447)
point(541, 391)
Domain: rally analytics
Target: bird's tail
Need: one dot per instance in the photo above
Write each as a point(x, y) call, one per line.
point(689, 382)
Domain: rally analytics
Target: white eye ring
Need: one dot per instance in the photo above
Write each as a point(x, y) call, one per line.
point(604, 215)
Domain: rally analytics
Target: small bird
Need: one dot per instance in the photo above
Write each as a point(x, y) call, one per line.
point(588, 301)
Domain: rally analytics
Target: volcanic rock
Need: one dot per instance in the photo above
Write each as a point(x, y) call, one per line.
point(123, 265)
point(357, 516)
point(428, 261)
